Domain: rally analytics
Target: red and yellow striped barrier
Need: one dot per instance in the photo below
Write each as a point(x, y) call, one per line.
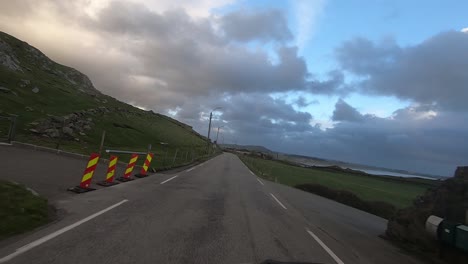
point(110, 172)
point(87, 175)
point(129, 169)
point(144, 169)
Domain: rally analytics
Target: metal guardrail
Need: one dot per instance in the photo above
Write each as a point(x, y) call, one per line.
point(124, 152)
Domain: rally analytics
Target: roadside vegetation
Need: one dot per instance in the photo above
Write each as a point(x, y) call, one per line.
point(342, 186)
point(20, 210)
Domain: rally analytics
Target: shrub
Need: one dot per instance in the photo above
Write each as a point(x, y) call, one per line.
point(378, 208)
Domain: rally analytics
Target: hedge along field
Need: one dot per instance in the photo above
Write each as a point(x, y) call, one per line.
point(399, 192)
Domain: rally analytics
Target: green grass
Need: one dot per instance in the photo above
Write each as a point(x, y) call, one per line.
point(20, 210)
point(370, 188)
point(59, 97)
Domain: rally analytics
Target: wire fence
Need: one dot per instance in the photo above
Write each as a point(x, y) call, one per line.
point(166, 155)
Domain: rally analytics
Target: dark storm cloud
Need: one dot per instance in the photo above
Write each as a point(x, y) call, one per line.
point(431, 72)
point(334, 85)
point(412, 139)
point(253, 118)
point(303, 102)
point(266, 25)
point(253, 107)
point(137, 22)
point(193, 59)
point(252, 113)
point(345, 112)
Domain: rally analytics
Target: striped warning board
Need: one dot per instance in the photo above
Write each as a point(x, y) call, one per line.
point(110, 172)
point(144, 169)
point(87, 175)
point(129, 169)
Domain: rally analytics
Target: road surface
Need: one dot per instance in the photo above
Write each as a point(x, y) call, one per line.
point(216, 212)
point(47, 173)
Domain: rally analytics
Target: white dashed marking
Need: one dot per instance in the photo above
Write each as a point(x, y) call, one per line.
point(169, 179)
point(327, 249)
point(42, 240)
point(276, 199)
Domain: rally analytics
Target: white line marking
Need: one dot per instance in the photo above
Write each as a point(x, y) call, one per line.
point(276, 199)
point(252, 173)
point(260, 181)
point(169, 179)
point(327, 249)
point(42, 240)
point(191, 169)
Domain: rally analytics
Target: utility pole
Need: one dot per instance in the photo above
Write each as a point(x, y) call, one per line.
point(209, 126)
point(101, 146)
point(217, 134)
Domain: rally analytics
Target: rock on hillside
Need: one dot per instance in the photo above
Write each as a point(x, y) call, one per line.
point(449, 201)
point(19, 56)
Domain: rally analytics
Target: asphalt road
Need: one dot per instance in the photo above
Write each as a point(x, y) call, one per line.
point(216, 212)
point(47, 173)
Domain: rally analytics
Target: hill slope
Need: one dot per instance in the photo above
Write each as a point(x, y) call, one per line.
point(247, 147)
point(56, 103)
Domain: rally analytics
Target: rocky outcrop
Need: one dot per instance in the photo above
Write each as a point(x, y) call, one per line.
point(19, 56)
point(68, 126)
point(7, 57)
point(449, 201)
point(72, 125)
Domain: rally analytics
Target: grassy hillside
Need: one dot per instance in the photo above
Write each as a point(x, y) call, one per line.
point(47, 97)
point(20, 209)
point(398, 192)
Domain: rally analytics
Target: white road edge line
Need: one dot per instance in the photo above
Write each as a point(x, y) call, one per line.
point(191, 169)
point(260, 181)
point(276, 199)
point(327, 249)
point(251, 173)
point(42, 240)
point(169, 179)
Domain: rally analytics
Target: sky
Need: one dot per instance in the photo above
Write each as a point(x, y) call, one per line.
point(377, 82)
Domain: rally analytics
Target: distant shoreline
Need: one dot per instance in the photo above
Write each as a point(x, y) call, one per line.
point(363, 169)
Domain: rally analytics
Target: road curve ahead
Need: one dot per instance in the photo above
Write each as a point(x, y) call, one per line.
point(216, 212)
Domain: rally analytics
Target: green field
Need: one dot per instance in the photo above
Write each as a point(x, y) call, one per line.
point(59, 95)
point(20, 210)
point(398, 192)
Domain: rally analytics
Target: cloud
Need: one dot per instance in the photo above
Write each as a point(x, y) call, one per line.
point(307, 14)
point(345, 112)
point(265, 25)
point(301, 101)
point(254, 118)
point(464, 30)
point(193, 60)
point(414, 138)
point(335, 84)
point(433, 71)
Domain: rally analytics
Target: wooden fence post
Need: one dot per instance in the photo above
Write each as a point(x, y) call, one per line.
point(175, 157)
